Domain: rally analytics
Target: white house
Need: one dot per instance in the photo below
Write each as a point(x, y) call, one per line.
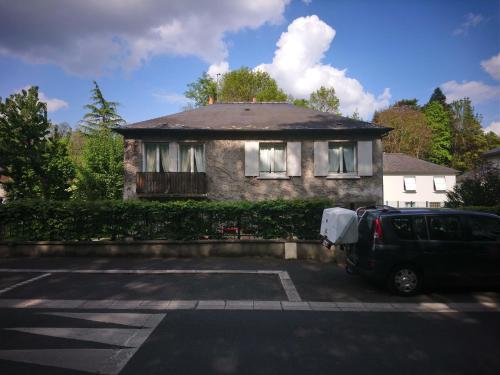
point(411, 182)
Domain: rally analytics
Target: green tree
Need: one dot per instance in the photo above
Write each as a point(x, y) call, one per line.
point(325, 100)
point(100, 167)
point(410, 135)
point(201, 90)
point(438, 96)
point(102, 114)
point(244, 84)
point(482, 188)
point(32, 152)
point(304, 103)
point(438, 120)
point(468, 139)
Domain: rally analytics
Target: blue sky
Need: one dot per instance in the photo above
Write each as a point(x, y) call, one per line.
point(372, 52)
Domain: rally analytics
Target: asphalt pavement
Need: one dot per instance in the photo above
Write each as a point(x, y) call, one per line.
point(233, 316)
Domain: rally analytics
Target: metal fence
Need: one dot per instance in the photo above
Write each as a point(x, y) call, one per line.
point(414, 204)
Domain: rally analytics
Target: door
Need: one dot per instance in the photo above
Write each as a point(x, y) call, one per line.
point(483, 234)
point(446, 253)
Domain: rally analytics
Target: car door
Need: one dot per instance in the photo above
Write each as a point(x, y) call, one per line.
point(446, 252)
point(483, 235)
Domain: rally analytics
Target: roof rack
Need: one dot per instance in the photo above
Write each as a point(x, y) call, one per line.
point(382, 207)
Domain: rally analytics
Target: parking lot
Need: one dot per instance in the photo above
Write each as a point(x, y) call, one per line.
point(226, 315)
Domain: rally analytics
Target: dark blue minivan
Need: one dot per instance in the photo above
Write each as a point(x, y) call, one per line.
point(406, 249)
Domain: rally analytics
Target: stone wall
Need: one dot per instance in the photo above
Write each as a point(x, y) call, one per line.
point(225, 163)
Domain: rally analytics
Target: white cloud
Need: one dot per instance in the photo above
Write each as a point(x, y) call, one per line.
point(297, 67)
point(219, 68)
point(477, 91)
point(307, 2)
point(493, 127)
point(93, 36)
point(172, 98)
point(471, 21)
point(492, 66)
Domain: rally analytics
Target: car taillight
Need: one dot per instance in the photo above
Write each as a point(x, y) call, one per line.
point(377, 231)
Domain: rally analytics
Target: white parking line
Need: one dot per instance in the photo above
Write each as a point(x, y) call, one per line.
point(165, 305)
point(285, 279)
point(8, 289)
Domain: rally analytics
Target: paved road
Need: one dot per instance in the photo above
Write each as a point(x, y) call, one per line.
point(233, 316)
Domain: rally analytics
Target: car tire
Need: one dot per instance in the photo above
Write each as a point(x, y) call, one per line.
point(405, 280)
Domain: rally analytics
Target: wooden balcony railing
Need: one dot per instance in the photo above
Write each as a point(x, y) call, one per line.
point(171, 184)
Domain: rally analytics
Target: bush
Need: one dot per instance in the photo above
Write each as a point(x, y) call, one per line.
point(38, 220)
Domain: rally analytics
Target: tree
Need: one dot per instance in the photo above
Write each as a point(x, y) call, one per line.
point(325, 100)
point(201, 90)
point(438, 120)
point(244, 84)
point(410, 135)
point(32, 151)
point(482, 188)
point(355, 115)
point(304, 103)
point(438, 96)
point(100, 168)
point(468, 139)
point(410, 103)
point(102, 113)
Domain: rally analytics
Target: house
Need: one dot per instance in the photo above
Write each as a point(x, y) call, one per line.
point(493, 157)
point(411, 182)
point(254, 151)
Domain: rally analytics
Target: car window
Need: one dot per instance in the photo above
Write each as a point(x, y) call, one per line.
point(484, 228)
point(402, 227)
point(444, 228)
point(420, 228)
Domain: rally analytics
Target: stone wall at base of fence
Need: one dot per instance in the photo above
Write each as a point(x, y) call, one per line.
point(164, 248)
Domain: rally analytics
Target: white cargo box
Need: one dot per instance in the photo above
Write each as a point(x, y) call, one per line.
point(339, 226)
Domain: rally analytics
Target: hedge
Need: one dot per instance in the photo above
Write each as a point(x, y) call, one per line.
point(39, 220)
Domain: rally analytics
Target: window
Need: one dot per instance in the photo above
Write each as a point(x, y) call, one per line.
point(272, 159)
point(342, 158)
point(192, 157)
point(435, 204)
point(402, 227)
point(420, 228)
point(439, 183)
point(484, 228)
point(410, 184)
point(156, 157)
point(444, 228)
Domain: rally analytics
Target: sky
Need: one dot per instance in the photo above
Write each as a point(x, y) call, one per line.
point(143, 53)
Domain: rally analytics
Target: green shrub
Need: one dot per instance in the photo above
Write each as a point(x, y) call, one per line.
point(38, 220)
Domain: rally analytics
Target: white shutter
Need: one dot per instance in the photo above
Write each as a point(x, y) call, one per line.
point(293, 159)
point(251, 158)
point(320, 158)
point(365, 158)
point(173, 153)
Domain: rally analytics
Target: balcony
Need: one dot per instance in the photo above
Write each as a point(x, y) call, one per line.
point(171, 184)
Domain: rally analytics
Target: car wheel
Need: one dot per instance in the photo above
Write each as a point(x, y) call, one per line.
point(405, 280)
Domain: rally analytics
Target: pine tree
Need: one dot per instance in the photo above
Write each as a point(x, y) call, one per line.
point(102, 113)
point(438, 120)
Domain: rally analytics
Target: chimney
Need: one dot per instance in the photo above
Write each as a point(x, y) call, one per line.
point(210, 100)
point(254, 100)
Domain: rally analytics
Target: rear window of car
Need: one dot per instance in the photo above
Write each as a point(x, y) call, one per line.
point(445, 228)
point(484, 228)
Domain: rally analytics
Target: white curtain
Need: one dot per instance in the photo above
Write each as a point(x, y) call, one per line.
point(199, 158)
point(348, 153)
point(150, 157)
point(164, 157)
point(334, 158)
point(185, 158)
point(264, 162)
point(279, 158)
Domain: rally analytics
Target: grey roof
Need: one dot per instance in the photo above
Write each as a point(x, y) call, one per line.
point(405, 164)
point(252, 117)
point(495, 151)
